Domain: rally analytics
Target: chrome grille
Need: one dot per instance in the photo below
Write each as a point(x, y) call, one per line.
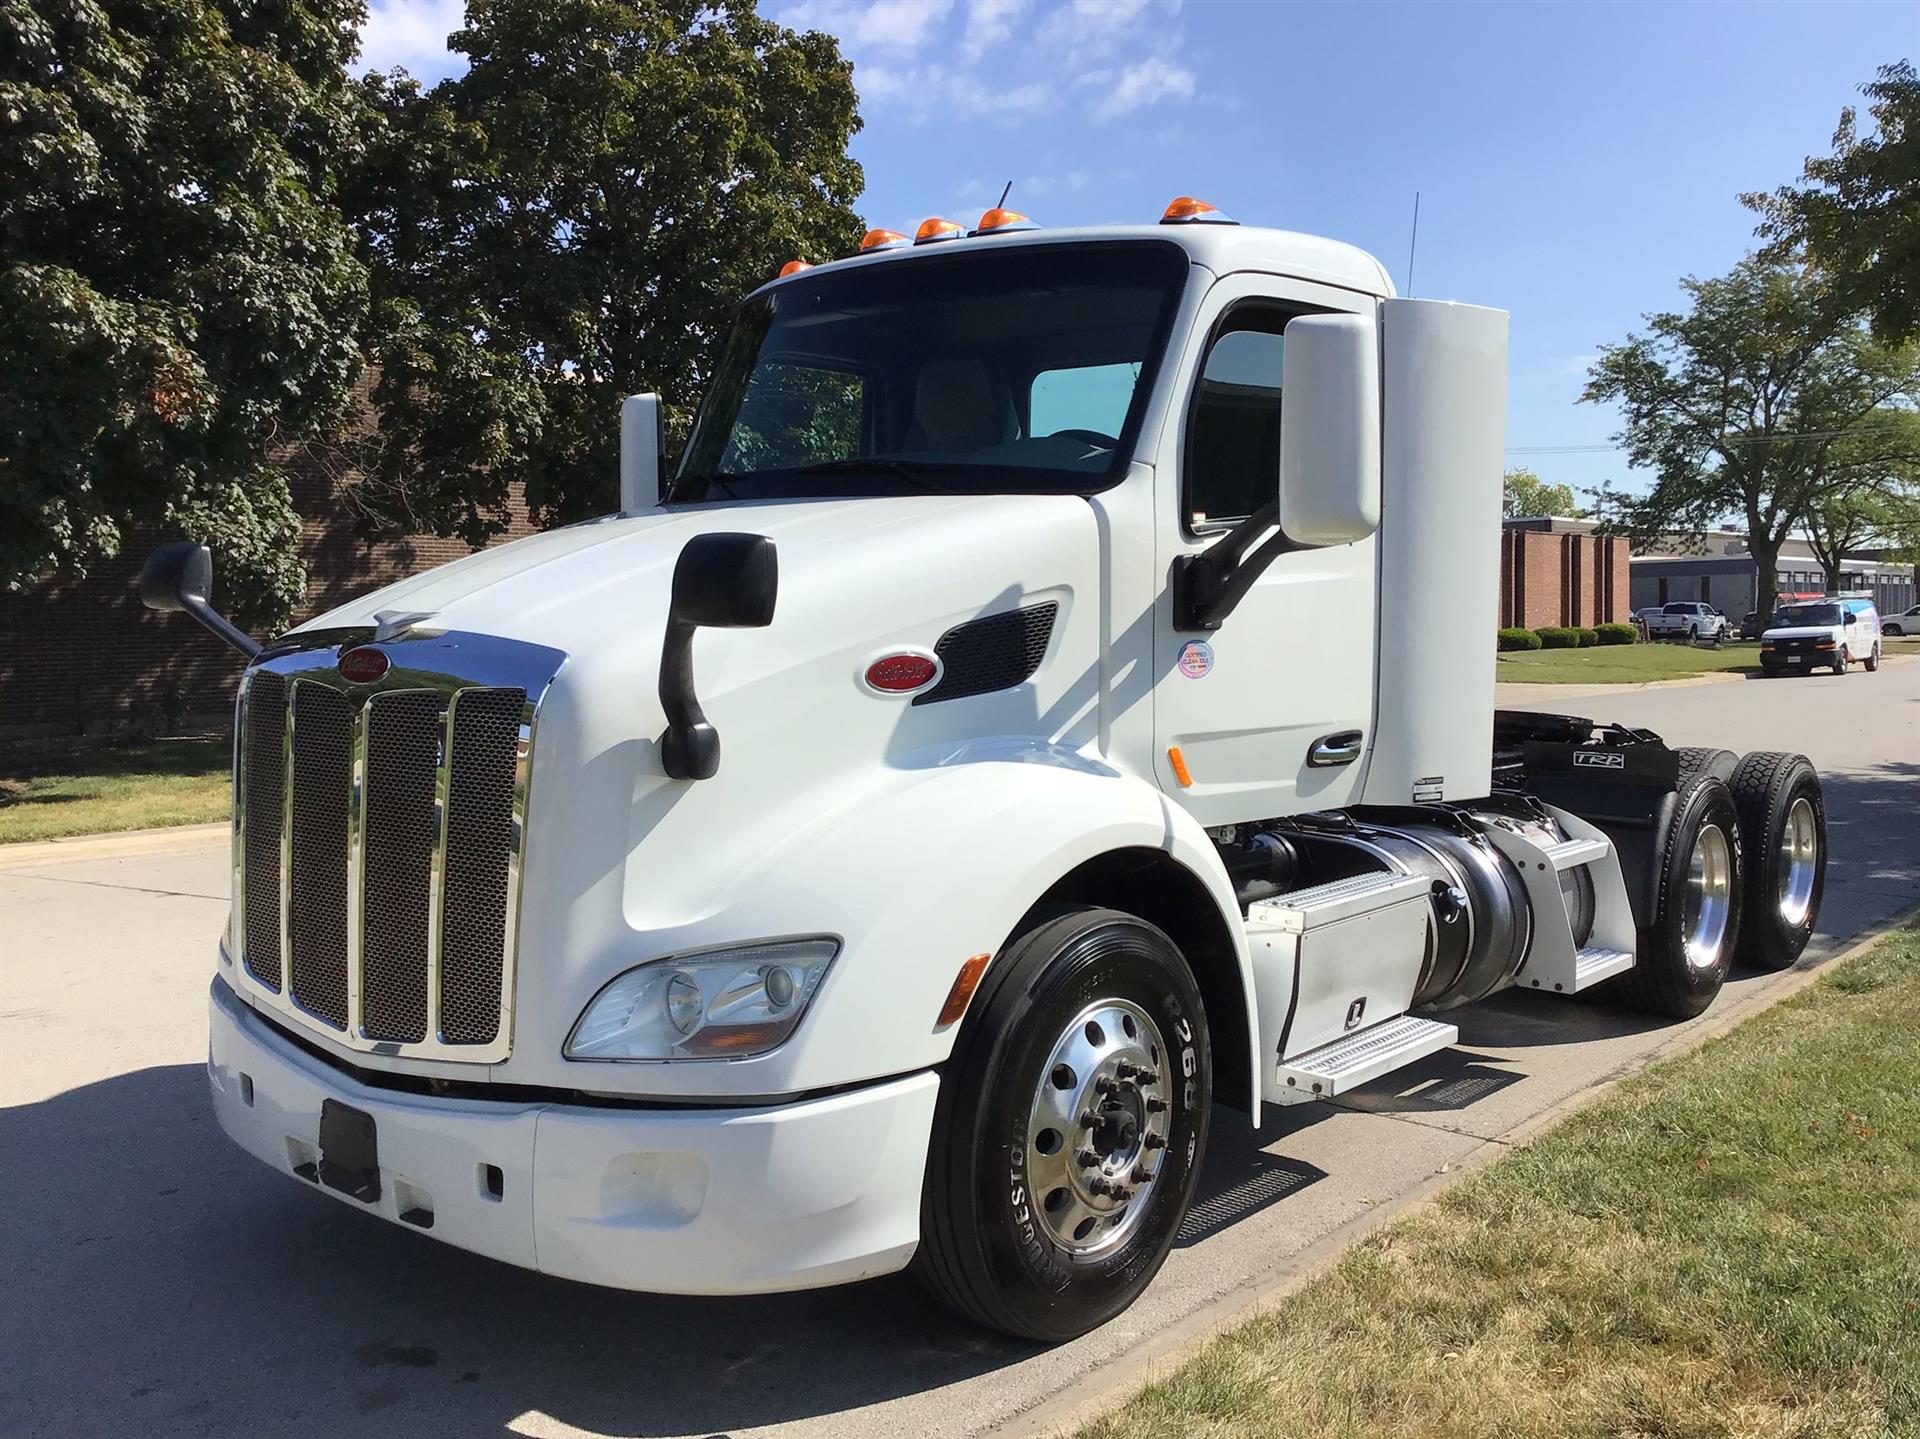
point(378, 842)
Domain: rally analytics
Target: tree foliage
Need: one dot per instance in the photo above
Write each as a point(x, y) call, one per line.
point(1525, 493)
point(574, 219)
point(1857, 214)
point(178, 290)
point(1763, 401)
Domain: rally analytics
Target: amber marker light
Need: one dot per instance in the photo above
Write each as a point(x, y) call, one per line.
point(999, 222)
point(1179, 763)
point(882, 240)
point(964, 984)
point(937, 229)
point(794, 267)
point(1188, 211)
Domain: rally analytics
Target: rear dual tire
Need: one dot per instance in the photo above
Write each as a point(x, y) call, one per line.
point(1069, 1130)
point(1783, 816)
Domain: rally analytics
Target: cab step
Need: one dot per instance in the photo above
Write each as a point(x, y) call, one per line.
point(1353, 1060)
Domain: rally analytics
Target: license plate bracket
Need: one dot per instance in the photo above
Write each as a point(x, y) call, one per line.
point(349, 1151)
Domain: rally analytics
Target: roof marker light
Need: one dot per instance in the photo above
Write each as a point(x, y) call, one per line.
point(1188, 211)
point(882, 240)
point(794, 267)
point(999, 222)
point(937, 229)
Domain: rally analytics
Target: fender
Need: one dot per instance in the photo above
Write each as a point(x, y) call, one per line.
point(1008, 817)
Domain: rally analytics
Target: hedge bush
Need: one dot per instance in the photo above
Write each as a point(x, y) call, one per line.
point(1616, 634)
point(1558, 637)
point(1515, 639)
point(1589, 638)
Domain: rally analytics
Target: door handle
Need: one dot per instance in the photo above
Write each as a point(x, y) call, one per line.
point(1339, 748)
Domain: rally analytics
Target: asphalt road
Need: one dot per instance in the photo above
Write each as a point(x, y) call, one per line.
point(157, 1282)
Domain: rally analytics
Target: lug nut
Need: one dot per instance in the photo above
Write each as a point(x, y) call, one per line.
point(1142, 1174)
point(1139, 1072)
point(1089, 1120)
point(1087, 1158)
point(1098, 1185)
point(1121, 1195)
point(1155, 1104)
point(1104, 1085)
point(1153, 1141)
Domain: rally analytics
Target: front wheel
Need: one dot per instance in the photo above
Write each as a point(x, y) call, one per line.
point(1069, 1130)
point(1840, 660)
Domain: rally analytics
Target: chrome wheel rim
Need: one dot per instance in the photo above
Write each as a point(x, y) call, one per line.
point(1799, 861)
point(1709, 901)
point(1097, 1129)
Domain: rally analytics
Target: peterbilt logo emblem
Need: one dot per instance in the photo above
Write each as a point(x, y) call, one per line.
point(362, 666)
point(1599, 759)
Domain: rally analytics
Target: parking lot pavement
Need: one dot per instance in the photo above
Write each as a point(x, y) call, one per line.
point(160, 1283)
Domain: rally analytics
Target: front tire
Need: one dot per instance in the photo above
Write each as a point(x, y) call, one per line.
point(1783, 822)
point(1069, 1129)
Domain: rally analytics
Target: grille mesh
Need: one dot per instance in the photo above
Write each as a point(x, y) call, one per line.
point(995, 652)
point(263, 802)
point(486, 736)
point(403, 753)
point(322, 791)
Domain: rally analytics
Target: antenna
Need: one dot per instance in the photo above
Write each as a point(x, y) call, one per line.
point(1413, 243)
point(1002, 204)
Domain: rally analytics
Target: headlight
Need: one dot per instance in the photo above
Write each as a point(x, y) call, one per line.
point(724, 1004)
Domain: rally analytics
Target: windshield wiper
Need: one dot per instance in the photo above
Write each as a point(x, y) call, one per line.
point(915, 471)
point(689, 487)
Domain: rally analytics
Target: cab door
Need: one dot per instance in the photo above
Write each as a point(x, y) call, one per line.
point(1272, 712)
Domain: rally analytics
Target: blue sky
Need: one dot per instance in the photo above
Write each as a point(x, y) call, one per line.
point(1574, 161)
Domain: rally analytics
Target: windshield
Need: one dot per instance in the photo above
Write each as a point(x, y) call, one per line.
point(1807, 615)
point(1023, 369)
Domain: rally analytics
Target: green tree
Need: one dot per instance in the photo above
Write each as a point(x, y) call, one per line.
point(572, 220)
point(1857, 214)
point(1762, 401)
point(178, 291)
point(1525, 493)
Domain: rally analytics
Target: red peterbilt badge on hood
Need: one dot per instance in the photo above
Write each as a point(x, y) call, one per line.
point(362, 666)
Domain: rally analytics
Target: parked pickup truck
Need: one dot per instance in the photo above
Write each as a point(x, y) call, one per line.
point(1688, 620)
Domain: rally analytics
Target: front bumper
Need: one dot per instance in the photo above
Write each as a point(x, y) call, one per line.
point(689, 1201)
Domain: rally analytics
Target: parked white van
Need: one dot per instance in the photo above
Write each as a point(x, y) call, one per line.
point(1833, 632)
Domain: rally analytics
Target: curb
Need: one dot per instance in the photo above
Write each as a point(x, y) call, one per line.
point(1104, 1389)
point(120, 844)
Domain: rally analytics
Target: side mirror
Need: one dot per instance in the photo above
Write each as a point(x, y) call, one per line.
point(1329, 482)
point(1330, 431)
point(177, 578)
point(720, 581)
point(640, 453)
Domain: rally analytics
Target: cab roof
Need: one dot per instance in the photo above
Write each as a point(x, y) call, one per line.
point(1220, 248)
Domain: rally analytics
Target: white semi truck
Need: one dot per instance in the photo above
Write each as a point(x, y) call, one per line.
point(1053, 697)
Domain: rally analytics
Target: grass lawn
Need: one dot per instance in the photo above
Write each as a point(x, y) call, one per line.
point(1727, 1245)
point(1623, 664)
point(47, 791)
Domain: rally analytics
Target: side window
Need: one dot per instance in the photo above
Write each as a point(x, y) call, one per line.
point(1233, 428)
point(1086, 397)
point(797, 414)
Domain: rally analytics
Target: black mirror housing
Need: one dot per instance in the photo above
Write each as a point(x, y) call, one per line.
point(726, 582)
point(177, 578)
point(720, 581)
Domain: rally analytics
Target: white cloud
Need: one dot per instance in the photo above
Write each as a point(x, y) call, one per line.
point(902, 26)
point(411, 34)
point(988, 23)
point(1151, 80)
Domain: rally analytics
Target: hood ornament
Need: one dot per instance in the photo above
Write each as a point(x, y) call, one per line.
point(393, 624)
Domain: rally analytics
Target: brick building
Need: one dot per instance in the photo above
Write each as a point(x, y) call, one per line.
point(84, 656)
point(1556, 571)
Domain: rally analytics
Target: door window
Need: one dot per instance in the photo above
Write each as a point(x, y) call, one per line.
point(1233, 430)
point(1088, 399)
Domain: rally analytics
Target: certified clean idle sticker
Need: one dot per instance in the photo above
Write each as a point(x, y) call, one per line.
point(1196, 658)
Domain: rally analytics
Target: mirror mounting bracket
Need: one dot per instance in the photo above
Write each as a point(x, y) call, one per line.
point(1207, 586)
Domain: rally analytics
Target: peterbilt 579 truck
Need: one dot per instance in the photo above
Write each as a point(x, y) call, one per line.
point(1051, 698)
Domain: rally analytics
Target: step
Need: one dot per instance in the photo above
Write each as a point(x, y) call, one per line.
point(1302, 909)
point(1590, 966)
point(1572, 853)
point(1346, 1063)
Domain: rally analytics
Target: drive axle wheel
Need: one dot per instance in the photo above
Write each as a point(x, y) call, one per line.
point(1683, 957)
point(1069, 1128)
point(1783, 817)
